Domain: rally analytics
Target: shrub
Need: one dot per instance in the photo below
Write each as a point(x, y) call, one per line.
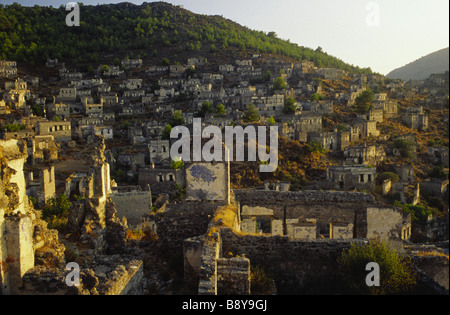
point(251, 114)
point(315, 147)
point(396, 273)
point(388, 175)
point(56, 211)
point(260, 282)
point(419, 214)
point(405, 148)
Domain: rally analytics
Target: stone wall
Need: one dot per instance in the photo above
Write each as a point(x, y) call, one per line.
point(24, 237)
point(111, 276)
point(132, 204)
point(291, 208)
point(384, 223)
point(297, 267)
point(182, 221)
point(233, 276)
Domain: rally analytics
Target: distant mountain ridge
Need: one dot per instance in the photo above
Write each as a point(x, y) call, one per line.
point(437, 62)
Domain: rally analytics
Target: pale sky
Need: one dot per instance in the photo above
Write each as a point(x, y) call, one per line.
point(381, 34)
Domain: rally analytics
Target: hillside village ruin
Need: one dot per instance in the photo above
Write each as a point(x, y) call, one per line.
point(110, 124)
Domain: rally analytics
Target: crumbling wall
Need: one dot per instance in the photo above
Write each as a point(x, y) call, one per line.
point(132, 204)
point(182, 221)
point(290, 208)
point(233, 276)
point(95, 218)
point(25, 240)
point(297, 266)
point(109, 276)
point(384, 223)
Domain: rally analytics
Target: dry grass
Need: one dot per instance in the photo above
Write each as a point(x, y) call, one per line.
point(432, 254)
point(224, 216)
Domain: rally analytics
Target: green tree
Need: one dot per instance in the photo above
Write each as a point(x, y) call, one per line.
point(405, 148)
point(205, 108)
point(419, 213)
point(396, 272)
point(316, 97)
point(314, 146)
point(165, 133)
point(271, 121)
point(364, 101)
point(177, 119)
point(290, 106)
point(251, 114)
point(104, 69)
point(438, 172)
point(220, 110)
point(56, 211)
point(279, 84)
point(176, 165)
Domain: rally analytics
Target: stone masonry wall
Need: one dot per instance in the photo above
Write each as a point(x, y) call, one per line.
point(324, 206)
point(297, 267)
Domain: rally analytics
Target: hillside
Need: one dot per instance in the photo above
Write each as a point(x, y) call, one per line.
point(437, 62)
point(153, 31)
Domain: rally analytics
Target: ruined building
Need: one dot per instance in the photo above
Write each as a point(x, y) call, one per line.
point(25, 240)
point(94, 217)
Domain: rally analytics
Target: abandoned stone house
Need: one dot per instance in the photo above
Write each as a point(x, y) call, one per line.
point(67, 94)
point(24, 238)
point(8, 69)
point(389, 107)
point(439, 155)
point(197, 61)
point(360, 177)
point(415, 118)
point(333, 141)
point(156, 70)
point(3, 109)
point(65, 74)
point(17, 94)
point(435, 187)
point(321, 107)
point(92, 109)
point(84, 131)
point(176, 70)
point(364, 154)
point(131, 84)
point(60, 130)
point(162, 180)
point(331, 74)
point(373, 115)
point(355, 91)
point(224, 69)
point(41, 149)
point(305, 66)
point(270, 105)
point(159, 151)
point(62, 110)
point(132, 63)
point(40, 183)
point(310, 215)
point(362, 129)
